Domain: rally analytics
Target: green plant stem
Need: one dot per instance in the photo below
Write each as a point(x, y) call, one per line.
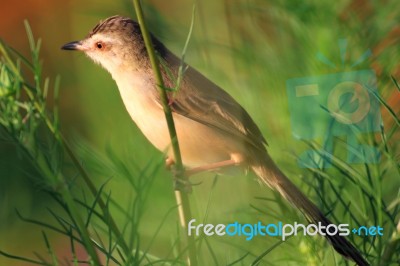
point(181, 196)
point(100, 201)
point(66, 195)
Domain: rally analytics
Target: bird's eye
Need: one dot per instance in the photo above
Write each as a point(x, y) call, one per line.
point(99, 45)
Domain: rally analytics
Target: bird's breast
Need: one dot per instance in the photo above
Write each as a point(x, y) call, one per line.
point(136, 93)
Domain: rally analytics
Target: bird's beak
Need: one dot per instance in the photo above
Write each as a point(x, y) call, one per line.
point(76, 45)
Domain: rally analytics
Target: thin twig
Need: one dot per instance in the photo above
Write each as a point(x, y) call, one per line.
point(181, 196)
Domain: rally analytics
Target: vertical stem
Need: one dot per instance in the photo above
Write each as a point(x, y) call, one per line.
point(181, 196)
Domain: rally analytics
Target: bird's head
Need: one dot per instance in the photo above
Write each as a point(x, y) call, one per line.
point(115, 43)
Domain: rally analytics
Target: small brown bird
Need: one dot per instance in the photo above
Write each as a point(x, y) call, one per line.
point(213, 130)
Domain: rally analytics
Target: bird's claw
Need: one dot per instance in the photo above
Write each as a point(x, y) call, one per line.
point(181, 176)
point(182, 185)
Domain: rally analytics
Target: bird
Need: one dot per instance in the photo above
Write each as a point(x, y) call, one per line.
point(214, 131)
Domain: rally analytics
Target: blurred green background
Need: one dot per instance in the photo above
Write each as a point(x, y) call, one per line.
point(250, 48)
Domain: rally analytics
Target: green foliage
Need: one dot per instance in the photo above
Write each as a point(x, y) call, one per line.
point(115, 205)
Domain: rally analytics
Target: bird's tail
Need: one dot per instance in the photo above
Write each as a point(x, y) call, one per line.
point(273, 177)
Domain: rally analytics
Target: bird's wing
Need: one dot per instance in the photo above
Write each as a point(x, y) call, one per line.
point(201, 100)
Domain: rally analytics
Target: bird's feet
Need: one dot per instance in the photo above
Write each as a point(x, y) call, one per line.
point(181, 179)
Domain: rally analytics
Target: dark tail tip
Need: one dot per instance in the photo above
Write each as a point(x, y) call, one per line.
point(339, 243)
point(273, 177)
